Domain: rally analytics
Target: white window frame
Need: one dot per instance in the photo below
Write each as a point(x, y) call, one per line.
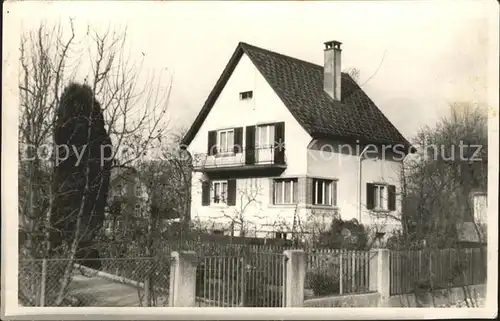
point(269, 140)
point(221, 199)
point(293, 186)
point(327, 184)
point(380, 199)
point(480, 209)
point(225, 149)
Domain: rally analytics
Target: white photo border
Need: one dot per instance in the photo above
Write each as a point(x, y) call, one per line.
point(12, 311)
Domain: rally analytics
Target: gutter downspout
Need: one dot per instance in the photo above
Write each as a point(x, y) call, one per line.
point(359, 182)
point(403, 185)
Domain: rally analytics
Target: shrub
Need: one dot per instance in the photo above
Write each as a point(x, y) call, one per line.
point(323, 284)
point(349, 234)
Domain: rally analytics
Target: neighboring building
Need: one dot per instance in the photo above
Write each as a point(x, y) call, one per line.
point(131, 197)
point(473, 228)
point(480, 205)
point(127, 199)
point(276, 149)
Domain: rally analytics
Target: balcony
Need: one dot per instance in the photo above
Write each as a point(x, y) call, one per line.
point(249, 159)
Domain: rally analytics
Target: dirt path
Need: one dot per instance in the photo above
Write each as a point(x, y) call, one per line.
point(100, 292)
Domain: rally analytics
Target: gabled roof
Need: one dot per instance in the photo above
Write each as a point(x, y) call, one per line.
point(299, 84)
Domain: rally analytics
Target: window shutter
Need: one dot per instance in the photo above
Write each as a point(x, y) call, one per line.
point(370, 194)
point(205, 193)
point(271, 191)
point(392, 197)
point(309, 191)
point(238, 140)
point(334, 193)
point(212, 142)
point(279, 143)
point(250, 145)
point(231, 192)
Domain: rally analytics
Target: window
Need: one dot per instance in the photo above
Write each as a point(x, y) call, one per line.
point(120, 190)
point(381, 197)
point(217, 232)
point(246, 95)
point(265, 136)
point(280, 235)
point(480, 208)
point(285, 191)
point(324, 192)
point(220, 192)
point(225, 140)
point(116, 208)
point(138, 190)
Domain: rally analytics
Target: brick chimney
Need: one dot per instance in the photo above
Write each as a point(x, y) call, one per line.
point(332, 71)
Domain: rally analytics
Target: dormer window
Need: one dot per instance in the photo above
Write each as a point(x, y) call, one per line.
point(246, 95)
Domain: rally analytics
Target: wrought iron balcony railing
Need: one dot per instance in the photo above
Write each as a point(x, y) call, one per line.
point(261, 156)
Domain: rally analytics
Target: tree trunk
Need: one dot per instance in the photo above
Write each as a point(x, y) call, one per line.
point(74, 246)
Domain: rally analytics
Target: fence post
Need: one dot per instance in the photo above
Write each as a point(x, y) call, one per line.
point(341, 272)
point(353, 270)
point(243, 281)
point(383, 276)
point(373, 270)
point(183, 279)
point(431, 273)
point(43, 285)
point(295, 265)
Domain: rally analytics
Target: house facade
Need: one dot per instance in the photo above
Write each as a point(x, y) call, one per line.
point(127, 200)
point(282, 146)
point(133, 196)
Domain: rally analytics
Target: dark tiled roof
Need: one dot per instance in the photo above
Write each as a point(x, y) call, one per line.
point(299, 84)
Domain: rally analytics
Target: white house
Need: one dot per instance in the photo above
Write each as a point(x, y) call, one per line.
point(282, 146)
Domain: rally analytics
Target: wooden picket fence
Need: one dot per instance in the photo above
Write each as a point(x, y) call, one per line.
point(440, 269)
point(332, 271)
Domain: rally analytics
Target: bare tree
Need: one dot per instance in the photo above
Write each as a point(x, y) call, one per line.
point(247, 211)
point(134, 109)
point(437, 185)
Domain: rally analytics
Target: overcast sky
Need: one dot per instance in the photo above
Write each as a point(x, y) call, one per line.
point(413, 57)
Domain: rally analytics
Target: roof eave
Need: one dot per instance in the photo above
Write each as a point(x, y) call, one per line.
point(408, 148)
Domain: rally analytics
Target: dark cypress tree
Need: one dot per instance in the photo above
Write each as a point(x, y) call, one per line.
point(79, 134)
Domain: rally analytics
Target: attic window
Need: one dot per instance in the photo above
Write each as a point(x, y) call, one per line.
point(246, 95)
